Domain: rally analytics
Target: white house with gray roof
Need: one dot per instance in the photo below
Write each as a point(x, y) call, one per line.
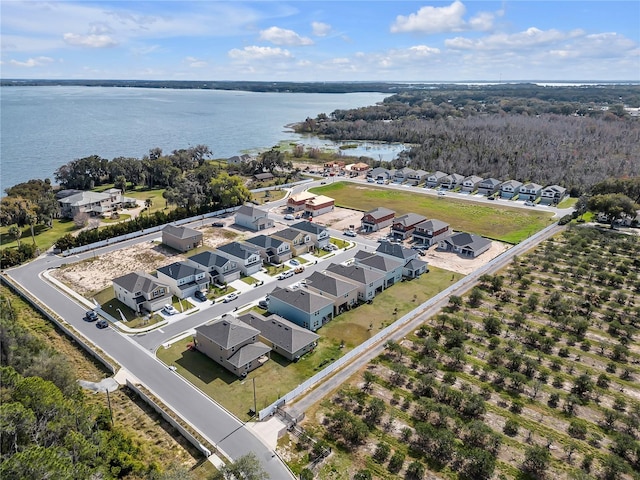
point(465, 244)
point(530, 191)
point(510, 188)
point(470, 183)
point(433, 179)
point(93, 203)
point(344, 294)
point(552, 195)
point(380, 173)
point(401, 175)
point(141, 292)
point(319, 234)
point(246, 257)
point(451, 181)
point(283, 336)
point(489, 186)
point(221, 270)
point(302, 307)
point(417, 177)
point(183, 278)
point(232, 344)
point(272, 250)
point(253, 218)
point(413, 266)
point(369, 282)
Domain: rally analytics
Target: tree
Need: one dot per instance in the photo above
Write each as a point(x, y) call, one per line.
point(227, 191)
point(120, 183)
point(246, 467)
point(363, 475)
point(536, 461)
point(492, 325)
point(613, 205)
point(16, 233)
point(81, 219)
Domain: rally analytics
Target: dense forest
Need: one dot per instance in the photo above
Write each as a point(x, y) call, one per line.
point(574, 137)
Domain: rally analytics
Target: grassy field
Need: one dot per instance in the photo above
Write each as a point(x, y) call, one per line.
point(511, 225)
point(278, 376)
point(44, 237)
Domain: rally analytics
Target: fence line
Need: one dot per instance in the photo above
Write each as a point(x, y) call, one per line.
point(330, 369)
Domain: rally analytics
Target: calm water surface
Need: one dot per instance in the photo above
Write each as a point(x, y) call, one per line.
point(43, 128)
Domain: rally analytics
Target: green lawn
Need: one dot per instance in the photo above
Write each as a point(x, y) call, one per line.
point(268, 195)
point(45, 237)
point(155, 195)
point(278, 376)
point(503, 223)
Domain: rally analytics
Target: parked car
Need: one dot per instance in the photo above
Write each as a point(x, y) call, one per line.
point(169, 309)
point(287, 274)
point(264, 303)
point(90, 316)
point(491, 198)
point(529, 203)
point(288, 216)
point(350, 233)
point(299, 269)
point(217, 224)
point(102, 324)
point(231, 297)
point(442, 192)
point(294, 262)
point(200, 296)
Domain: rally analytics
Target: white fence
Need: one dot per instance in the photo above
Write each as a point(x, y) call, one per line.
point(383, 334)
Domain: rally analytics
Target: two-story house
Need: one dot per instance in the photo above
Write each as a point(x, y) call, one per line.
point(404, 225)
point(380, 174)
point(368, 282)
point(318, 205)
point(299, 242)
point(183, 278)
point(392, 269)
point(93, 203)
point(319, 234)
point(182, 239)
point(402, 174)
point(552, 195)
point(221, 269)
point(433, 179)
point(417, 177)
point(232, 344)
point(272, 250)
point(430, 232)
point(344, 294)
point(413, 266)
point(377, 219)
point(530, 191)
point(284, 337)
point(465, 244)
point(451, 181)
point(141, 292)
point(470, 184)
point(253, 218)
point(297, 201)
point(488, 186)
point(510, 189)
point(302, 307)
point(247, 258)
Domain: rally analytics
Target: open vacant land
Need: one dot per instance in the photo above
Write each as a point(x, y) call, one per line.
point(533, 374)
point(510, 225)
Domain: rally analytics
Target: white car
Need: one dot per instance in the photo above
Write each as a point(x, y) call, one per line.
point(442, 192)
point(287, 274)
point(231, 297)
point(350, 233)
point(288, 216)
point(170, 309)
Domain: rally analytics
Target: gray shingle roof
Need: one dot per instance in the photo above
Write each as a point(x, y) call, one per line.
point(181, 232)
point(251, 211)
point(138, 282)
point(380, 212)
point(409, 219)
point(432, 224)
point(302, 299)
point(279, 331)
point(415, 264)
point(179, 270)
point(288, 234)
point(309, 227)
point(331, 285)
point(264, 241)
point(238, 250)
point(355, 273)
point(467, 240)
point(209, 259)
point(248, 353)
point(396, 250)
point(380, 262)
point(489, 183)
point(228, 332)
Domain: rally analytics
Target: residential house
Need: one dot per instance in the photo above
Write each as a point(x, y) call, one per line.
point(369, 282)
point(391, 268)
point(433, 179)
point(247, 258)
point(402, 174)
point(318, 205)
point(417, 177)
point(530, 191)
point(413, 266)
point(263, 177)
point(283, 336)
point(93, 203)
point(451, 181)
point(360, 167)
point(253, 218)
point(430, 232)
point(488, 186)
point(470, 184)
point(552, 195)
point(510, 189)
point(272, 250)
point(297, 201)
point(232, 344)
point(465, 244)
point(238, 160)
point(182, 239)
point(318, 234)
point(380, 174)
point(141, 292)
point(403, 226)
point(344, 294)
point(377, 219)
point(302, 307)
point(183, 278)
point(221, 269)
point(299, 242)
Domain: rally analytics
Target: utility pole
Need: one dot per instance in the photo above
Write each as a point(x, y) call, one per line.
point(255, 403)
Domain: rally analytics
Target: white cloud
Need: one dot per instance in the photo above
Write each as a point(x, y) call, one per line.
point(441, 20)
point(530, 37)
point(32, 62)
point(193, 62)
point(258, 53)
point(320, 29)
point(91, 41)
point(281, 36)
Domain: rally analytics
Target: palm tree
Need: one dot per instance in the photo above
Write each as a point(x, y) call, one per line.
point(147, 204)
point(16, 232)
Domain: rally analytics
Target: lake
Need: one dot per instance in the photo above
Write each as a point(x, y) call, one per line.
point(43, 128)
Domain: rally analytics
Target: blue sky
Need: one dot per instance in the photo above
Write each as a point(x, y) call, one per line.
point(322, 40)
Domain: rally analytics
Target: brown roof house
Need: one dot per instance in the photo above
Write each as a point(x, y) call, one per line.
point(283, 336)
point(232, 344)
point(141, 291)
point(377, 219)
point(182, 239)
point(253, 218)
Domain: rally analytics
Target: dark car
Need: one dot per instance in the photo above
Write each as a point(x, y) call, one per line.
point(263, 304)
point(90, 316)
point(102, 324)
point(200, 296)
point(217, 224)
